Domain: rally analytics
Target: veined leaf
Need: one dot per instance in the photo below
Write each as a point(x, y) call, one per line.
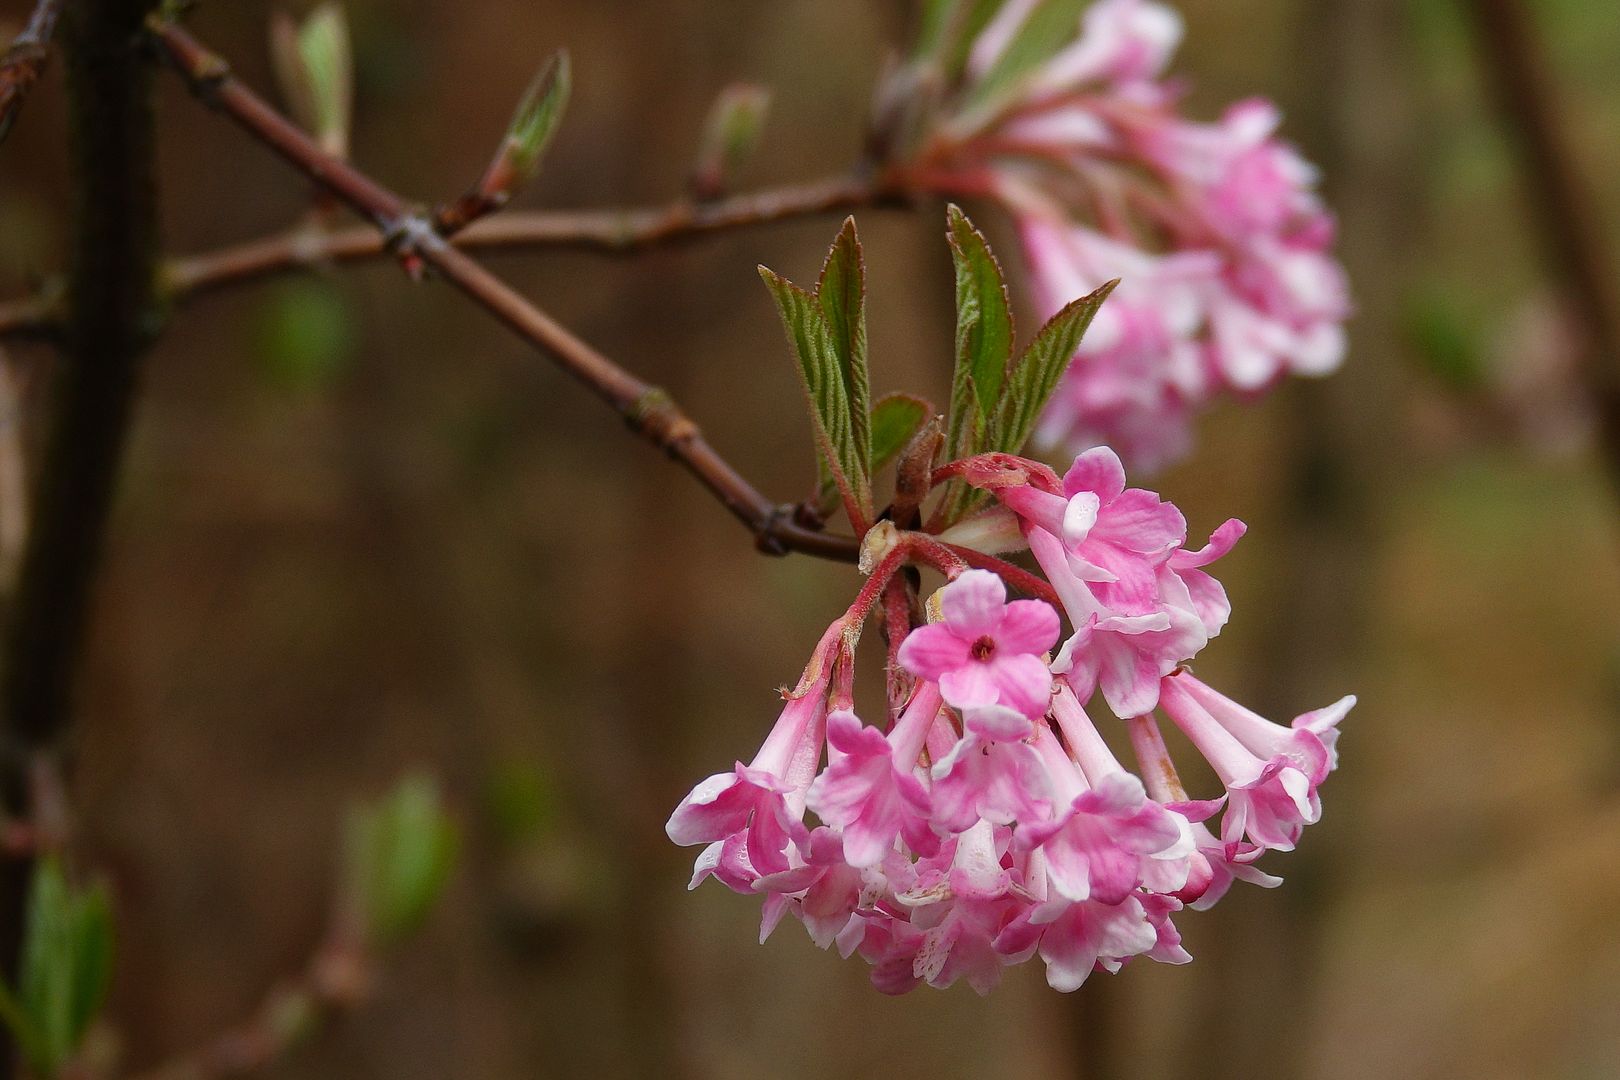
point(895, 419)
point(984, 337)
point(1048, 26)
point(821, 374)
point(841, 293)
point(1036, 372)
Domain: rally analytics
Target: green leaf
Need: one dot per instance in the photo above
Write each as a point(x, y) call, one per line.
point(822, 376)
point(1036, 372)
point(1049, 26)
point(895, 419)
point(64, 970)
point(947, 30)
point(400, 851)
point(841, 292)
point(984, 337)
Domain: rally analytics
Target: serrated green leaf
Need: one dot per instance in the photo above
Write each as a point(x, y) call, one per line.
point(1048, 26)
point(400, 852)
point(1036, 372)
point(984, 337)
point(64, 969)
point(841, 293)
point(826, 391)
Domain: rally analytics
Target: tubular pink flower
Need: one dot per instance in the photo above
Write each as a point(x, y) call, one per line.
point(754, 799)
point(1123, 655)
point(1076, 939)
point(990, 774)
point(986, 651)
point(1206, 595)
point(1269, 800)
point(1115, 538)
point(1096, 846)
point(870, 793)
point(1307, 744)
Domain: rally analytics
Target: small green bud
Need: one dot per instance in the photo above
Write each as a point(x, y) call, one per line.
point(536, 120)
point(730, 135)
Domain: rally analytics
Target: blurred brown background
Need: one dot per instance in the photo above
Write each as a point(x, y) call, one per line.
point(362, 529)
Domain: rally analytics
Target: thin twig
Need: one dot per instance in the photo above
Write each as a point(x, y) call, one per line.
point(24, 61)
point(1569, 220)
point(338, 980)
point(648, 410)
point(613, 232)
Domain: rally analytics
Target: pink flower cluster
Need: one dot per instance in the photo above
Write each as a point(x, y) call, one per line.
point(990, 821)
point(1228, 282)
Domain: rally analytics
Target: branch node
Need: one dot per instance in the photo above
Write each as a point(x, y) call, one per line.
point(767, 538)
point(656, 416)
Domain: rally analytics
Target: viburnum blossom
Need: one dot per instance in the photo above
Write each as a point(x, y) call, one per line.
point(1223, 250)
point(991, 819)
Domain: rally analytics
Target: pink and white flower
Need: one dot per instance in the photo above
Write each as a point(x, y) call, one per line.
point(985, 651)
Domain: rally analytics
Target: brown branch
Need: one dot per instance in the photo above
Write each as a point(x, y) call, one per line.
point(1569, 221)
point(110, 321)
point(613, 232)
point(24, 61)
point(338, 980)
point(649, 411)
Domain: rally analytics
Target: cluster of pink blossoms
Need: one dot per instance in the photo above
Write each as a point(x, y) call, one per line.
point(989, 820)
point(1222, 247)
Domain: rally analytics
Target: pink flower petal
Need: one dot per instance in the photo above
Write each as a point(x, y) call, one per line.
point(930, 651)
point(973, 603)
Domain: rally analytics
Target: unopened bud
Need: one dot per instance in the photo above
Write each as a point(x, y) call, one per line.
point(533, 125)
point(315, 68)
point(880, 539)
point(730, 135)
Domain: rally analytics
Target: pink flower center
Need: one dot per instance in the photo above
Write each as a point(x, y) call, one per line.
point(984, 648)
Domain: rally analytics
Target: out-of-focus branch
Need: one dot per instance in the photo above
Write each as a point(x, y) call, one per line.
point(110, 321)
point(614, 232)
point(24, 61)
point(649, 411)
point(13, 478)
point(1568, 219)
point(338, 980)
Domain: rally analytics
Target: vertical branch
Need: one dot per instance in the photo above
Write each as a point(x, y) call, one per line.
point(1514, 66)
point(111, 318)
